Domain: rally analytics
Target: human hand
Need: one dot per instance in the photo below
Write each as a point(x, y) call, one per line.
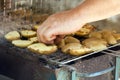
point(58, 25)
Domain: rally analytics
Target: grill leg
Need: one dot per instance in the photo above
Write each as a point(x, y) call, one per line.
point(117, 68)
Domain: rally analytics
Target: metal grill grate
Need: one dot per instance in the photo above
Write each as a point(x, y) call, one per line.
point(61, 59)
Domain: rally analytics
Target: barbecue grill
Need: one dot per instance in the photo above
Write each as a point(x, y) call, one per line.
point(21, 64)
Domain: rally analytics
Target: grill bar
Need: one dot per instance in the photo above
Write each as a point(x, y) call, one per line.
point(63, 59)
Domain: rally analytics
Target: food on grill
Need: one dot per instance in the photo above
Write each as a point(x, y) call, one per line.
point(80, 51)
point(35, 27)
point(28, 33)
point(61, 43)
point(117, 36)
point(70, 39)
point(21, 43)
point(33, 39)
point(13, 35)
point(96, 34)
point(85, 30)
point(108, 36)
point(95, 44)
point(75, 49)
point(41, 48)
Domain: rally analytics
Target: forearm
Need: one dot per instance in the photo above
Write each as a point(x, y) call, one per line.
point(93, 10)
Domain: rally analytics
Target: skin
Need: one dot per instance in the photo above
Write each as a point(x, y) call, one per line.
point(66, 22)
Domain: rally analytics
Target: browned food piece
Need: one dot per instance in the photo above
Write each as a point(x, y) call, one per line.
point(21, 43)
point(61, 43)
point(70, 39)
point(33, 39)
point(108, 36)
point(13, 35)
point(81, 51)
point(117, 36)
point(95, 44)
point(75, 49)
point(41, 48)
point(85, 30)
point(28, 33)
point(35, 27)
point(96, 34)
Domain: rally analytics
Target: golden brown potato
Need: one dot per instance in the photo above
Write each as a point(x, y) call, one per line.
point(41, 48)
point(96, 34)
point(70, 39)
point(35, 27)
point(13, 35)
point(85, 30)
point(33, 39)
point(75, 49)
point(117, 36)
point(95, 44)
point(61, 43)
point(28, 33)
point(108, 36)
point(67, 47)
point(81, 51)
point(21, 43)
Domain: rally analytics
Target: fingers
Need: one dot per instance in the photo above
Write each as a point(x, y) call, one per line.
point(58, 38)
point(46, 35)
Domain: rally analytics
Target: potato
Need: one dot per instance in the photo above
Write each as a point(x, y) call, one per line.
point(108, 36)
point(41, 48)
point(21, 43)
point(96, 34)
point(70, 39)
point(61, 43)
point(67, 47)
point(33, 39)
point(28, 33)
point(75, 49)
point(13, 35)
point(81, 51)
point(85, 30)
point(117, 36)
point(95, 44)
point(35, 27)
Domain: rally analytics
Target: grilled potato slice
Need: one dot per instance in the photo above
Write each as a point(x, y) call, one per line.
point(75, 49)
point(28, 33)
point(96, 35)
point(95, 44)
point(108, 36)
point(70, 39)
point(35, 27)
point(117, 36)
point(85, 30)
point(41, 48)
point(13, 35)
point(80, 51)
point(61, 43)
point(21, 43)
point(33, 39)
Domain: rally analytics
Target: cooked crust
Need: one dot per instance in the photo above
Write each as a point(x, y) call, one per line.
point(70, 39)
point(108, 36)
point(85, 30)
point(95, 44)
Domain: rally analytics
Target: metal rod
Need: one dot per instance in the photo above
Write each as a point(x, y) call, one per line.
point(96, 73)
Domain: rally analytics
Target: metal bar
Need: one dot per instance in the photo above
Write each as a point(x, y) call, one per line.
point(117, 69)
point(96, 73)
